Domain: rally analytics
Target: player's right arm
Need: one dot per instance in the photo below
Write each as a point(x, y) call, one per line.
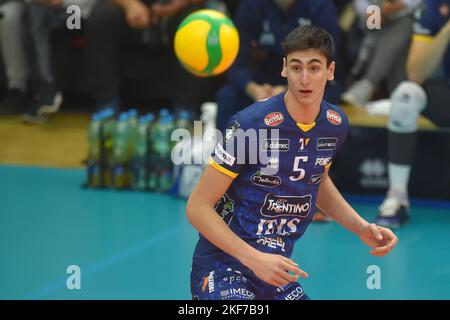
point(271, 268)
point(426, 54)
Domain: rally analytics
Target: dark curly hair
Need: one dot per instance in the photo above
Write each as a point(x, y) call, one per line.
point(309, 37)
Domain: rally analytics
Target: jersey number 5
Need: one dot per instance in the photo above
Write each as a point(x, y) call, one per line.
point(301, 172)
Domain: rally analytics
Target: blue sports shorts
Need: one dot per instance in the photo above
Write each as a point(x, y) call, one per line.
point(236, 282)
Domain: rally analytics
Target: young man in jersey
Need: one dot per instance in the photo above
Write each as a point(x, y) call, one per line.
point(250, 210)
point(425, 92)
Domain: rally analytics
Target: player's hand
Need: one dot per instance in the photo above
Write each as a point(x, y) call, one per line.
point(259, 92)
point(274, 269)
point(137, 15)
point(381, 240)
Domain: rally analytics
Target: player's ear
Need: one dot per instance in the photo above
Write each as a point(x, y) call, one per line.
point(283, 71)
point(330, 71)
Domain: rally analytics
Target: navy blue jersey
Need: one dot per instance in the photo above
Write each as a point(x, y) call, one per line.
point(430, 19)
point(277, 166)
point(263, 26)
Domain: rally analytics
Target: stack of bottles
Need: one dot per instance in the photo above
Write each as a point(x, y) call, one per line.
point(132, 152)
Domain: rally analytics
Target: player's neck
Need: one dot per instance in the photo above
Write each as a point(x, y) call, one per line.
point(301, 113)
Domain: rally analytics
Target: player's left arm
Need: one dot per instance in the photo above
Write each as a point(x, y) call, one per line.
point(331, 202)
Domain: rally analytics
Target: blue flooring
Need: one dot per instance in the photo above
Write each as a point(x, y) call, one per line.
point(139, 245)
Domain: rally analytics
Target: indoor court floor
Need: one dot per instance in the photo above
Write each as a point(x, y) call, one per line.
point(139, 245)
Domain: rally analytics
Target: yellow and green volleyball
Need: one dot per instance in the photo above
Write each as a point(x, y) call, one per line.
point(206, 43)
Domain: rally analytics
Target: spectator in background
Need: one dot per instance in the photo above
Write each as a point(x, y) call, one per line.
point(262, 25)
point(427, 90)
point(44, 16)
point(383, 51)
point(14, 55)
point(116, 24)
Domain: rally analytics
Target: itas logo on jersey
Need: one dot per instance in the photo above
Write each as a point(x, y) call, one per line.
point(281, 145)
point(275, 206)
point(282, 227)
point(334, 117)
point(266, 181)
point(324, 144)
point(274, 119)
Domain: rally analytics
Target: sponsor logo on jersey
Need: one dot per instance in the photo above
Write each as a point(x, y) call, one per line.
point(208, 281)
point(275, 206)
point(281, 145)
point(223, 155)
point(230, 130)
point(225, 208)
point(224, 293)
point(334, 117)
point(272, 243)
point(273, 164)
point(282, 227)
point(232, 277)
point(266, 181)
point(211, 282)
point(296, 294)
point(274, 119)
point(322, 161)
point(237, 293)
point(315, 179)
point(326, 144)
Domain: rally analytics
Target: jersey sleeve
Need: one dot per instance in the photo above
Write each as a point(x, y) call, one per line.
point(344, 131)
point(230, 154)
point(342, 136)
point(426, 17)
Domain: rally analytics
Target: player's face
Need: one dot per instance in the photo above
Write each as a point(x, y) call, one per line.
point(307, 75)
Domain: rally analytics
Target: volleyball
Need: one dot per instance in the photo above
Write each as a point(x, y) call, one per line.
point(206, 43)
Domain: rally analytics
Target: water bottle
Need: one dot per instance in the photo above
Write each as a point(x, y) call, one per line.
point(93, 160)
point(208, 117)
point(188, 173)
point(120, 154)
point(107, 127)
point(160, 177)
point(184, 122)
point(218, 5)
point(163, 112)
point(139, 181)
point(133, 124)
